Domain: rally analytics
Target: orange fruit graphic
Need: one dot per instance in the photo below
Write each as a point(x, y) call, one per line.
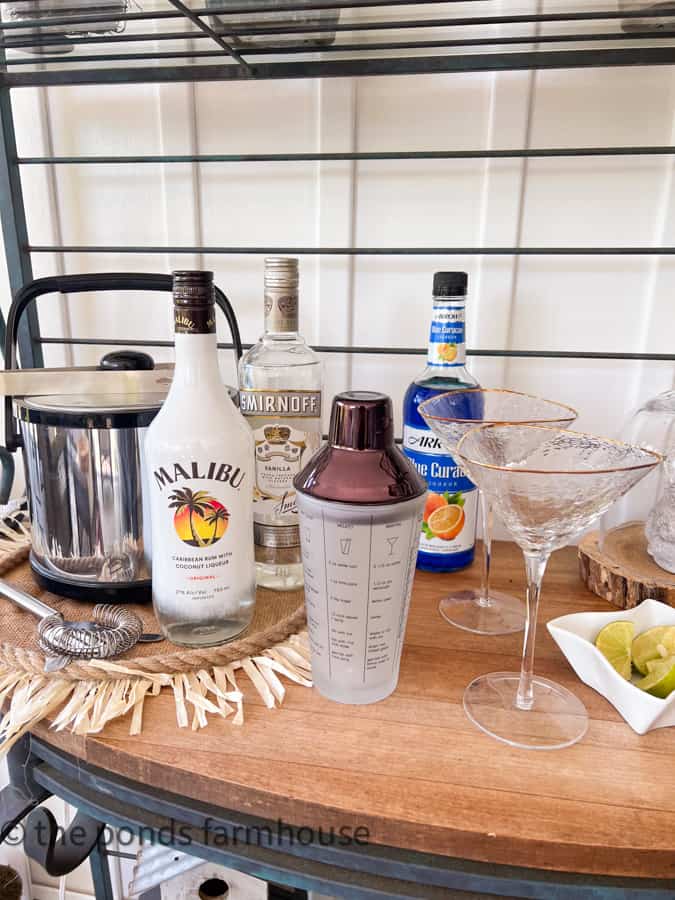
point(199, 519)
point(447, 521)
point(447, 352)
point(434, 502)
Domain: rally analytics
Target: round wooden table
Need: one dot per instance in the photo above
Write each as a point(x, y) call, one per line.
point(427, 803)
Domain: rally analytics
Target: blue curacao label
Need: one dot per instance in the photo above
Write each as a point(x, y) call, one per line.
point(449, 523)
point(447, 336)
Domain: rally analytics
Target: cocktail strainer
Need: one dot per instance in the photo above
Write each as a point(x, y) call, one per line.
point(112, 631)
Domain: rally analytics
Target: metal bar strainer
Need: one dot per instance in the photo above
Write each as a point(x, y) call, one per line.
point(111, 631)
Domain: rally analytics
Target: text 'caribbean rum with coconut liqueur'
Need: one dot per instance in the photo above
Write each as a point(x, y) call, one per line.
point(449, 524)
point(280, 380)
point(199, 477)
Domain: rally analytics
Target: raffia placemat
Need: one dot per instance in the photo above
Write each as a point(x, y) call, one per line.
point(86, 695)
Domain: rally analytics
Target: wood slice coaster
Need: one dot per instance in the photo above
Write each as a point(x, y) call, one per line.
point(622, 571)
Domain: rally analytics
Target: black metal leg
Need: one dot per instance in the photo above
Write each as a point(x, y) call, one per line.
point(22, 794)
point(100, 870)
point(56, 850)
point(15, 230)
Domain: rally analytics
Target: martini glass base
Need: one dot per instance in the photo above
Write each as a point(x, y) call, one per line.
point(503, 614)
point(556, 719)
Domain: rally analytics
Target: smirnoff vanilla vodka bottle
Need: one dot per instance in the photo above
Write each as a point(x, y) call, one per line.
point(199, 478)
point(280, 380)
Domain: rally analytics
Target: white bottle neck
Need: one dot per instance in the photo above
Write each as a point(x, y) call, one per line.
point(197, 361)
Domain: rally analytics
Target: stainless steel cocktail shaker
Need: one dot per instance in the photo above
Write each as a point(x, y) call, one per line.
point(360, 502)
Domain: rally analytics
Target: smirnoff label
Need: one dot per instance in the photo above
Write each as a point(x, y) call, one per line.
point(282, 448)
point(294, 404)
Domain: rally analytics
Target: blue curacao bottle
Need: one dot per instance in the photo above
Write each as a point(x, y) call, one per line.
point(448, 536)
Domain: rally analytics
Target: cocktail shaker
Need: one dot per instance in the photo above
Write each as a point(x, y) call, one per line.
point(360, 503)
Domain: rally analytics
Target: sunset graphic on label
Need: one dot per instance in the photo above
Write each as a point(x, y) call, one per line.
point(199, 519)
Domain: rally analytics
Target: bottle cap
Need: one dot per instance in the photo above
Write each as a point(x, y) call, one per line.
point(281, 294)
point(281, 271)
point(360, 463)
point(193, 302)
point(450, 284)
point(193, 288)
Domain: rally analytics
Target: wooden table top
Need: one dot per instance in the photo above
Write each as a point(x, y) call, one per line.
point(413, 769)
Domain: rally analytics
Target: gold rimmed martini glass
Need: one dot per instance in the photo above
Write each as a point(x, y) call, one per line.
point(547, 485)
point(450, 416)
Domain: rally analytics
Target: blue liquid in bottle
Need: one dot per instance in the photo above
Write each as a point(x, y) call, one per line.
point(447, 539)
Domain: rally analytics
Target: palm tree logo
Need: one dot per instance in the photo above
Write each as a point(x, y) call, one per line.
point(199, 519)
point(217, 515)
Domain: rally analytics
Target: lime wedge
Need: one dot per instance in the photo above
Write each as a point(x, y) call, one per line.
point(661, 680)
point(653, 644)
point(614, 642)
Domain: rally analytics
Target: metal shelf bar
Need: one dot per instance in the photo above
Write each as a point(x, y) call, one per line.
point(304, 28)
point(46, 40)
point(352, 48)
point(386, 351)
point(209, 32)
point(534, 153)
point(15, 233)
point(560, 59)
point(363, 251)
point(456, 22)
point(252, 30)
point(507, 41)
point(66, 18)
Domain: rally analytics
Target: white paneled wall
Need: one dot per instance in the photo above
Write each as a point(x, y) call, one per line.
point(564, 303)
point(552, 302)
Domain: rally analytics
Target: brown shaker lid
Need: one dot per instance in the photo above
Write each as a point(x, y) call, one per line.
point(360, 463)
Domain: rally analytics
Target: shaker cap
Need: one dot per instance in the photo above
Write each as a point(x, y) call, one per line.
point(361, 420)
point(360, 464)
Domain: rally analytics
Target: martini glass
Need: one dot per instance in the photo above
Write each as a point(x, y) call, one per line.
point(548, 485)
point(450, 416)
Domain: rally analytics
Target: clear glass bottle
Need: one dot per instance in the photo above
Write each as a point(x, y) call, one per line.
point(198, 477)
point(445, 371)
point(280, 380)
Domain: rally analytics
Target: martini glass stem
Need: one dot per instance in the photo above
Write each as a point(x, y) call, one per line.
point(535, 565)
point(486, 514)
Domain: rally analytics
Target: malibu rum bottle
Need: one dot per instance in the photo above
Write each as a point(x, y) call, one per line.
point(199, 477)
point(280, 394)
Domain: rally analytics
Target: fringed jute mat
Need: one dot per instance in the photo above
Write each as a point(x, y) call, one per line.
point(86, 695)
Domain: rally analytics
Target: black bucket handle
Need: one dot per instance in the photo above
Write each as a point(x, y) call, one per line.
point(73, 284)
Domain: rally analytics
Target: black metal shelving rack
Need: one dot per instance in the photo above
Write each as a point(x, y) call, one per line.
point(372, 37)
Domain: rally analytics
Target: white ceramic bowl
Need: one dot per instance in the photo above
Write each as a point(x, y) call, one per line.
point(575, 635)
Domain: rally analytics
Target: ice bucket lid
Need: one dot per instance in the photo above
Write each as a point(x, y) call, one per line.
point(91, 410)
point(360, 464)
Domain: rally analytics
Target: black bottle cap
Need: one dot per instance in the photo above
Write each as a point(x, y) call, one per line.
point(450, 284)
point(193, 288)
point(194, 302)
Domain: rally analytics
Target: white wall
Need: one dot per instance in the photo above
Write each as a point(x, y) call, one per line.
point(566, 303)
